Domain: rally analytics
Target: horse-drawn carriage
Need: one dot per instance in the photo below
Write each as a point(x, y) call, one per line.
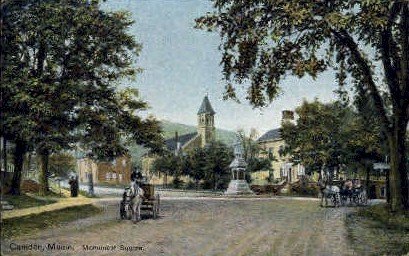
point(137, 198)
point(339, 196)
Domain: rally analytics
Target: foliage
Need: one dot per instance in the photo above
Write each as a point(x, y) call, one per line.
point(265, 41)
point(330, 135)
point(61, 164)
point(218, 158)
point(61, 61)
point(315, 139)
point(209, 165)
point(251, 152)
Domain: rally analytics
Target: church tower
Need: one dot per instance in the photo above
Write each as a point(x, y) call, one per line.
point(205, 121)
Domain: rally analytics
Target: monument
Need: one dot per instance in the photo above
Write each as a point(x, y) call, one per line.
point(238, 184)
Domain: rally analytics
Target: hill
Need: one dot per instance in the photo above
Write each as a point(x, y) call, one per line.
point(169, 129)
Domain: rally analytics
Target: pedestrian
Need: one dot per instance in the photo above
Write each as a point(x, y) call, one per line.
point(71, 182)
point(76, 186)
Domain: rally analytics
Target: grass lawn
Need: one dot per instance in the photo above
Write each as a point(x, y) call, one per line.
point(30, 224)
point(375, 231)
point(26, 201)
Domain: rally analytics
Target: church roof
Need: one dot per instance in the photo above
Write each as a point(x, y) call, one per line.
point(183, 139)
point(206, 108)
point(273, 134)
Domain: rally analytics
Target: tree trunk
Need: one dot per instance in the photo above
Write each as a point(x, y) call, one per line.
point(388, 193)
point(18, 167)
point(4, 162)
point(43, 175)
point(165, 180)
point(5, 154)
point(398, 179)
point(368, 174)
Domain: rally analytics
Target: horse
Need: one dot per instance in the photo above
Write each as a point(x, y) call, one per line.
point(346, 192)
point(138, 196)
point(355, 192)
point(330, 192)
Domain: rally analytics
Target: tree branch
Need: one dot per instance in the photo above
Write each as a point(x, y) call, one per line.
point(346, 40)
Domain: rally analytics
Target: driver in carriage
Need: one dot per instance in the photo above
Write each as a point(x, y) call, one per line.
point(137, 180)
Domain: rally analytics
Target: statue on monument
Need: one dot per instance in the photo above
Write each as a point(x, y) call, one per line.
point(238, 184)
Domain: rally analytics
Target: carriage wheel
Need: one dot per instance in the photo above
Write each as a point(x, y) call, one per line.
point(128, 213)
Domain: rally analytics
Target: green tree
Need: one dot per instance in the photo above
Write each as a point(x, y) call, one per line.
point(251, 153)
point(217, 159)
point(165, 165)
point(62, 63)
point(61, 164)
point(316, 139)
point(195, 165)
point(264, 41)
point(331, 135)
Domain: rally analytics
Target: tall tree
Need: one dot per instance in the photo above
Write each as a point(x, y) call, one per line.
point(317, 139)
point(63, 62)
point(264, 41)
point(218, 158)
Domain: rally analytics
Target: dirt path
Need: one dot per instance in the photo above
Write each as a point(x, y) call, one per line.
point(203, 227)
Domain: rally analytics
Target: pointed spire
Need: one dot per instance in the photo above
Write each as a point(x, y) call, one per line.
point(206, 108)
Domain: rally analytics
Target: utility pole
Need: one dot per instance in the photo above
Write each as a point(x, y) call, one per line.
point(90, 177)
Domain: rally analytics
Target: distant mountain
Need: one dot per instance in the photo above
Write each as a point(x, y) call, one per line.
point(169, 129)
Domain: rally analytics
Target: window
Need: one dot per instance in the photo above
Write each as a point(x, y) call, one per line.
point(108, 176)
point(123, 162)
point(114, 176)
point(120, 177)
point(270, 152)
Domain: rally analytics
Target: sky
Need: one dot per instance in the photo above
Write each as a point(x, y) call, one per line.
point(181, 64)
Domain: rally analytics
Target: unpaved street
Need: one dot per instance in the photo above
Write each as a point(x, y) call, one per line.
point(203, 226)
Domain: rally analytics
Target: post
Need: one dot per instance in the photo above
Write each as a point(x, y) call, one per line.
point(90, 184)
point(90, 180)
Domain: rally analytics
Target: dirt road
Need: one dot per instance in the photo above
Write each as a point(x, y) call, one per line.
point(199, 227)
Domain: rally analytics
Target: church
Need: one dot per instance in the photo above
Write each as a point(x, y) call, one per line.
point(180, 144)
point(205, 131)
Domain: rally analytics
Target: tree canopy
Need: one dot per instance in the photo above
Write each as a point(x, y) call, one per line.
point(331, 135)
point(365, 42)
point(62, 61)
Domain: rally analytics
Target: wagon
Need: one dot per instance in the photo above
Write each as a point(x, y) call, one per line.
point(150, 203)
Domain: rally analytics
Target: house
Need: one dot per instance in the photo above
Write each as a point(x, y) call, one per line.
point(117, 171)
point(271, 144)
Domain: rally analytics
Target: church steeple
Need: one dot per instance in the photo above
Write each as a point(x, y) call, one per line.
point(205, 118)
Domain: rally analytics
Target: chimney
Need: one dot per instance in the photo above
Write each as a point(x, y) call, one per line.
point(287, 115)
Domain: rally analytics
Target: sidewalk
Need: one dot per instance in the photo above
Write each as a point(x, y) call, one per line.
point(61, 204)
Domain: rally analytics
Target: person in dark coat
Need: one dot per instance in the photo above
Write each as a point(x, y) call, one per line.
point(74, 186)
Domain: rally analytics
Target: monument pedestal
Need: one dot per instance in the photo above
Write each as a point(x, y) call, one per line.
point(238, 187)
